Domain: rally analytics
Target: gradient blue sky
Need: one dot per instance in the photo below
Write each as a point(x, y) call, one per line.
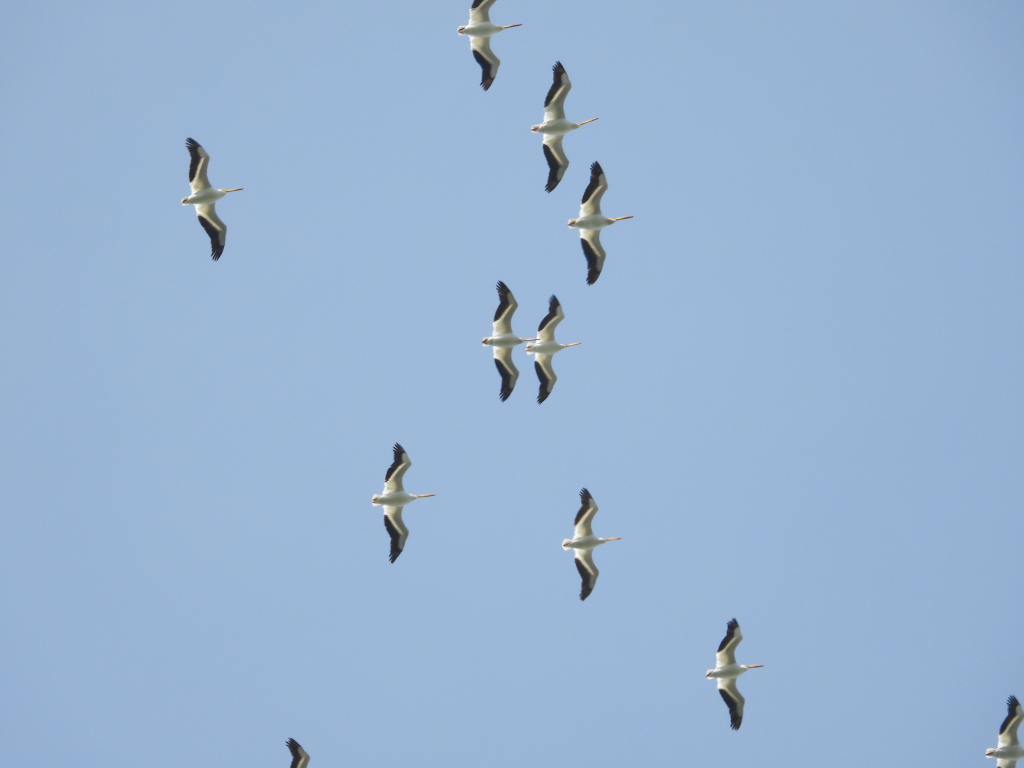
point(798, 397)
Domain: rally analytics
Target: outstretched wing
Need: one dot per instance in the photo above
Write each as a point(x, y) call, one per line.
point(588, 571)
point(507, 306)
point(397, 470)
point(396, 530)
point(507, 369)
point(557, 161)
point(197, 166)
point(591, 204)
point(546, 376)
point(1008, 730)
point(555, 315)
point(733, 700)
point(299, 757)
point(727, 648)
point(554, 103)
point(479, 11)
point(215, 228)
point(489, 63)
point(590, 239)
point(585, 517)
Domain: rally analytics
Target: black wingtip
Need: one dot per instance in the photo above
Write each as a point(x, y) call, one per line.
point(595, 169)
point(585, 495)
point(1012, 702)
point(191, 143)
point(398, 449)
point(502, 288)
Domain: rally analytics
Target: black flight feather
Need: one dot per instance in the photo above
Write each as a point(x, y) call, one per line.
point(585, 588)
point(558, 71)
point(216, 249)
point(591, 255)
point(731, 628)
point(595, 181)
point(193, 151)
point(395, 537)
point(585, 499)
point(552, 311)
point(735, 719)
point(542, 395)
point(555, 170)
point(503, 301)
point(399, 450)
point(486, 78)
point(506, 381)
point(1011, 706)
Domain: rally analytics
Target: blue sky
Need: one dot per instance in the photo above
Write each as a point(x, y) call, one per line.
point(797, 399)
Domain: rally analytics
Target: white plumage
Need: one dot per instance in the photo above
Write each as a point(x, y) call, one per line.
point(727, 670)
point(204, 196)
point(555, 126)
point(584, 541)
point(394, 499)
point(546, 346)
point(480, 30)
point(1009, 750)
point(591, 221)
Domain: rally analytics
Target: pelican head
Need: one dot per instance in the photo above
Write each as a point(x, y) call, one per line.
point(621, 218)
point(613, 538)
point(751, 666)
point(428, 495)
point(236, 189)
point(587, 121)
point(509, 26)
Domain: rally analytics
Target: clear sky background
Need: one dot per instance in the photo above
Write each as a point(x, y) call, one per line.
point(798, 397)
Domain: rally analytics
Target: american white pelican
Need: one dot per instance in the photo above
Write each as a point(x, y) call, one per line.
point(546, 347)
point(503, 340)
point(555, 126)
point(204, 196)
point(480, 31)
point(299, 757)
point(394, 498)
point(727, 670)
point(583, 542)
point(1009, 750)
point(591, 221)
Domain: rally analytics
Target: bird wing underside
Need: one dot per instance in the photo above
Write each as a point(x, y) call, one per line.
point(554, 103)
point(734, 700)
point(1004, 763)
point(591, 203)
point(585, 517)
point(299, 757)
point(545, 375)
point(587, 570)
point(507, 369)
point(555, 315)
point(507, 306)
point(396, 530)
point(1008, 730)
point(556, 159)
point(399, 466)
point(489, 63)
point(199, 161)
point(726, 654)
point(215, 228)
point(479, 11)
point(590, 239)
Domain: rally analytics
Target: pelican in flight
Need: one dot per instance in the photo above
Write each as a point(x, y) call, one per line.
point(546, 347)
point(204, 197)
point(480, 31)
point(583, 542)
point(727, 670)
point(555, 126)
point(503, 340)
point(394, 498)
point(591, 221)
point(299, 757)
point(1009, 750)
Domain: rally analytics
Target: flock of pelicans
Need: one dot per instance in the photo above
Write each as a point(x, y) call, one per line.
point(590, 222)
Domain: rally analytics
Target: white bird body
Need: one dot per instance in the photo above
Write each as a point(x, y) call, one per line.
point(203, 197)
point(394, 499)
point(583, 543)
point(545, 346)
point(727, 670)
point(503, 340)
point(480, 30)
point(554, 126)
point(1009, 751)
point(591, 221)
